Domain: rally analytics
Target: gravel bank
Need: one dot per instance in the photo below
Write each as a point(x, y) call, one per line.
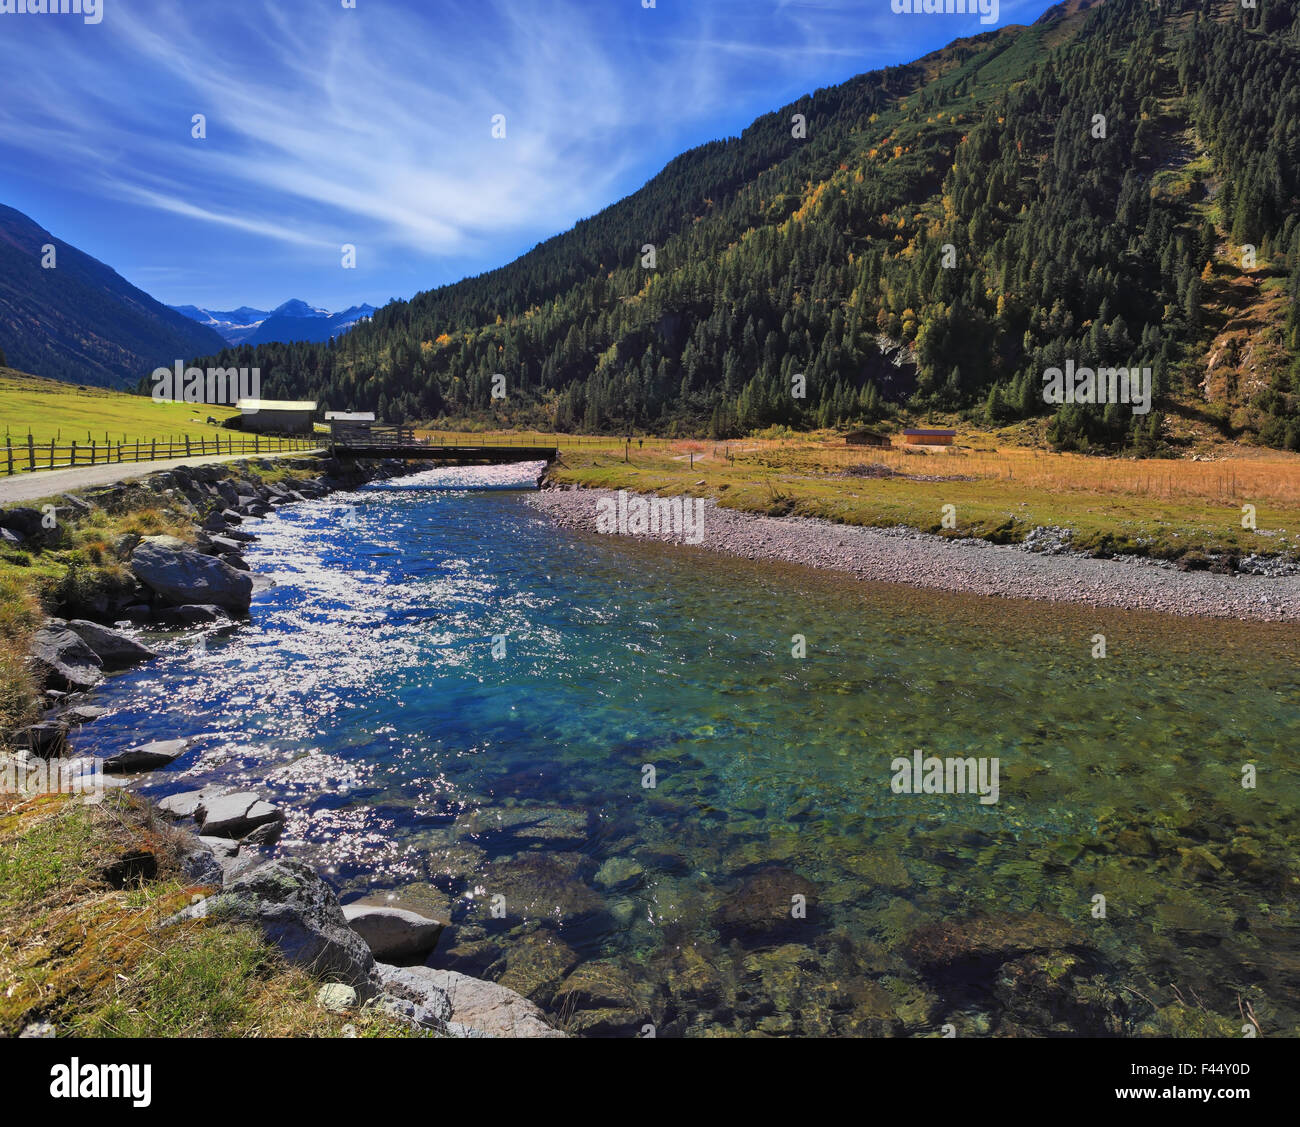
point(970, 566)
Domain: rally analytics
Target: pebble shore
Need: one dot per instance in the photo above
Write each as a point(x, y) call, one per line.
point(918, 559)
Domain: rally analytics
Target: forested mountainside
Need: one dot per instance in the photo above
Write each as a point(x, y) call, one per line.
point(67, 316)
point(1090, 188)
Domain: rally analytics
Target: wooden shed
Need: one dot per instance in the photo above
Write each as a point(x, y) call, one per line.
point(276, 416)
point(920, 437)
point(866, 438)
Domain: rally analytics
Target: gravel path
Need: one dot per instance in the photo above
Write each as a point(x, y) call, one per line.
point(972, 566)
point(50, 483)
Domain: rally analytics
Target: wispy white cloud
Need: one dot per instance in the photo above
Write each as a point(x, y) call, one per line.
point(372, 126)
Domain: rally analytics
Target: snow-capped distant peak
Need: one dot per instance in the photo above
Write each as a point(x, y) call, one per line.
point(293, 321)
point(296, 308)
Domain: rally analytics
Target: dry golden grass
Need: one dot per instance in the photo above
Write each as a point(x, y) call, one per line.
point(81, 943)
point(1160, 507)
point(1244, 477)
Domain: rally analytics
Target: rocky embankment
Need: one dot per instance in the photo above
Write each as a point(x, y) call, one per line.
point(970, 566)
point(362, 952)
point(172, 584)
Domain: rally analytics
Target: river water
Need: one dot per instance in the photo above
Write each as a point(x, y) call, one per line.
point(602, 762)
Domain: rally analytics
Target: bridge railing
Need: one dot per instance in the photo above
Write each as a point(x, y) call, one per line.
point(372, 434)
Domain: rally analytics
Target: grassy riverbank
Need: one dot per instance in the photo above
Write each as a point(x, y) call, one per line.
point(83, 889)
point(1163, 508)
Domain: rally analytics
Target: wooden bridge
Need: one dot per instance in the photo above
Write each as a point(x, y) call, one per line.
point(371, 440)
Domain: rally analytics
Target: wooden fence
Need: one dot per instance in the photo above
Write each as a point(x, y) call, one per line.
point(27, 456)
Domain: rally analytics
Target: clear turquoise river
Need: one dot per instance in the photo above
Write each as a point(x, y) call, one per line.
point(771, 880)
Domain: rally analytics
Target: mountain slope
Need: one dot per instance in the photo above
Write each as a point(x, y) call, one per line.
point(80, 322)
point(945, 232)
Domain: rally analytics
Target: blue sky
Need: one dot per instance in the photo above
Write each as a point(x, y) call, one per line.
point(371, 126)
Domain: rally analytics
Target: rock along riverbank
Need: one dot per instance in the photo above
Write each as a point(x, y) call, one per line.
point(968, 566)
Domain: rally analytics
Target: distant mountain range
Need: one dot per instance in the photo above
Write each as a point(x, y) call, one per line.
point(292, 321)
point(75, 319)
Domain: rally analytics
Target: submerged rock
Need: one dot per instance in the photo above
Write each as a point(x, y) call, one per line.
point(80, 714)
point(1058, 992)
point(536, 886)
point(556, 827)
point(190, 615)
point(619, 873)
point(764, 907)
point(604, 1000)
point(986, 938)
point(534, 964)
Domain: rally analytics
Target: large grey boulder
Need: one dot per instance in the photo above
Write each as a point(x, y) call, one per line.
point(393, 933)
point(298, 913)
point(187, 577)
point(115, 650)
point(476, 1007)
point(65, 660)
point(234, 815)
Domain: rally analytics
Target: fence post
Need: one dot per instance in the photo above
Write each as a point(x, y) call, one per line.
point(92, 451)
point(9, 445)
point(153, 450)
point(31, 453)
point(74, 451)
point(51, 453)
